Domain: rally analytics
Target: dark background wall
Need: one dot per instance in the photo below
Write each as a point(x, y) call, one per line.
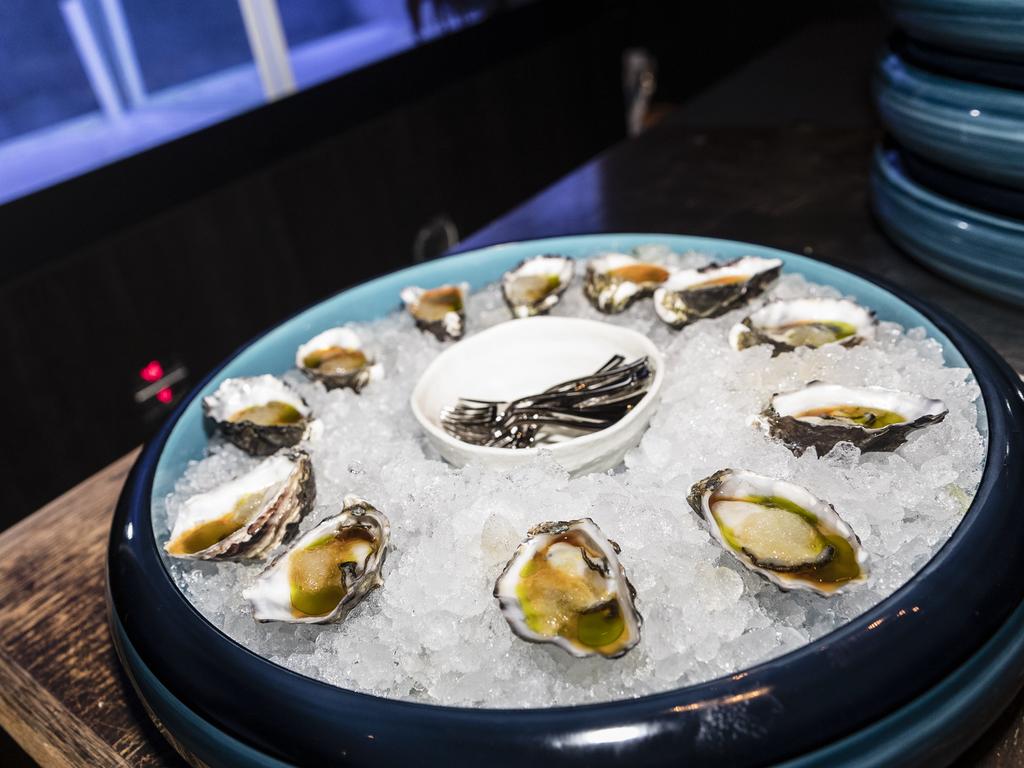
point(192, 248)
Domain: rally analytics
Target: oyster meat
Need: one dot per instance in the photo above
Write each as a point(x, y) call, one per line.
point(780, 530)
point(872, 418)
point(336, 357)
point(695, 294)
point(564, 585)
point(786, 325)
point(615, 280)
point(245, 518)
point(536, 285)
point(440, 311)
point(327, 571)
point(259, 414)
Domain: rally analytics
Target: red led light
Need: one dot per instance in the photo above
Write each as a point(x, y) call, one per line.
point(165, 395)
point(152, 372)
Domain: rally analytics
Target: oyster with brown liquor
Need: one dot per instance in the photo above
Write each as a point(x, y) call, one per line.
point(786, 325)
point(327, 571)
point(336, 357)
point(564, 585)
point(536, 285)
point(780, 530)
point(710, 291)
point(259, 414)
point(615, 280)
point(247, 517)
point(820, 415)
point(440, 311)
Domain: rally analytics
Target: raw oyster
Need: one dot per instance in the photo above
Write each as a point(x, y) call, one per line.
point(441, 311)
point(787, 325)
point(564, 585)
point(245, 518)
point(616, 280)
point(327, 571)
point(872, 418)
point(336, 358)
point(536, 285)
point(711, 291)
point(780, 531)
point(259, 414)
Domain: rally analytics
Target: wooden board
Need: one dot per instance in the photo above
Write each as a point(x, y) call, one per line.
point(63, 697)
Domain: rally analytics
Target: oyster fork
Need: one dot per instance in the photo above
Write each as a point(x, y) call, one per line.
point(584, 404)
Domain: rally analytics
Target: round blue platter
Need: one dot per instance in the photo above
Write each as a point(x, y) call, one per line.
point(910, 682)
point(982, 27)
point(981, 250)
point(974, 128)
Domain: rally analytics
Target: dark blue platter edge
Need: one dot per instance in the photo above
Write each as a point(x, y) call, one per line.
point(807, 703)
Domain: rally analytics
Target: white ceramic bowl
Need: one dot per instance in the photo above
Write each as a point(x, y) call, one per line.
point(523, 357)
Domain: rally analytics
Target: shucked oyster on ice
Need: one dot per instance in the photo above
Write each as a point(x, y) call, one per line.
point(564, 585)
point(536, 285)
point(787, 325)
point(710, 291)
point(440, 311)
point(615, 280)
point(780, 530)
point(872, 418)
point(245, 518)
point(327, 571)
point(259, 414)
point(336, 357)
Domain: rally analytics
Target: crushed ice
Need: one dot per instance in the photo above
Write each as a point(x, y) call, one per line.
point(434, 633)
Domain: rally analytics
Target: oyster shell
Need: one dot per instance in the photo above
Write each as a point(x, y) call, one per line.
point(336, 357)
point(259, 414)
point(615, 280)
point(536, 285)
point(780, 530)
point(787, 325)
point(440, 311)
point(327, 571)
point(695, 294)
point(245, 518)
point(564, 585)
point(821, 415)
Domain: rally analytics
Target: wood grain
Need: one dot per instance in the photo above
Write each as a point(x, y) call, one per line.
point(63, 697)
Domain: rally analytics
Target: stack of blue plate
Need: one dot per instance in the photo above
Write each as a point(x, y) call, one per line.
point(948, 183)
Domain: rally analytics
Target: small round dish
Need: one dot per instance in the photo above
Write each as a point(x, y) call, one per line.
point(974, 128)
point(524, 357)
point(981, 250)
point(953, 631)
point(984, 27)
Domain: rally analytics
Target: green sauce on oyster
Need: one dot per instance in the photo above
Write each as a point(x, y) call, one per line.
point(316, 572)
point(272, 414)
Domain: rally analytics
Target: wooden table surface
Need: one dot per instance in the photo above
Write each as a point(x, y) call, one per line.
point(62, 695)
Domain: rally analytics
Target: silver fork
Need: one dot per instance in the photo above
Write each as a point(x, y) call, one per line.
point(585, 404)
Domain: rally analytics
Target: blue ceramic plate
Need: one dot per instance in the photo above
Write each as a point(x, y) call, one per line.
point(978, 249)
point(983, 27)
point(973, 128)
point(908, 682)
point(962, 66)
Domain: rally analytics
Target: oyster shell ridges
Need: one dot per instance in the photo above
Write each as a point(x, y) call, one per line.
point(268, 593)
point(799, 435)
point(678, 307)
point(277, 521)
